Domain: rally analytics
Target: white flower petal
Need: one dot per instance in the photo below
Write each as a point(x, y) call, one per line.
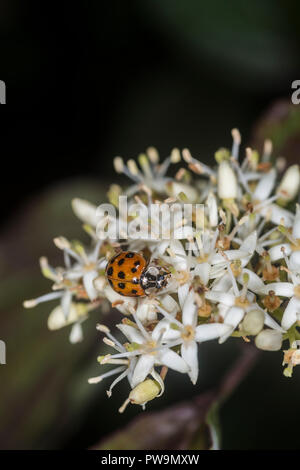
point(179, 260)
point(223, 297)
point(217, 271)
point(291, 313)
point(265, 186)
point(143, 367)
point(231, 255)
point(211, 331)
point(255, 283)
point(66, 303)
point(182, 233)
point(161, 247)
point(172, 360)
point(202, 270)
point(76, 334)
point(269, 321)
point(88, 283)
point(223, 284)
point(146, 311)
point(189, 352)
point(164, 331)
point(124, 304)
point(132, 364)
point(75, 273)
point(249, 244)
point(276, 252)
point(223, 309)
point(232, 318)
point(296, 226)
point(189, 311)
point(131, 333)
point(295, 261)
point(284, 289)
point(169, 304)
point(182, 294)
point(278, 215)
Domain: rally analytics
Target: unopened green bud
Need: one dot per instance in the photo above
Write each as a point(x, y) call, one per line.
point(253, 322)
point(144, 392)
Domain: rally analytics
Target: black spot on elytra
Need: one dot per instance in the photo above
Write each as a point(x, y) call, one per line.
point(135, 280)
point(133, 291)
point(121, 261)
point(110, 271)
point(137, 263)
point(130, 255)
point(121, 285)
point(133, 270)
point(121, 274)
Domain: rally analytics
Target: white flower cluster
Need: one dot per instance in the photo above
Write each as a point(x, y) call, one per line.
point(234, 273)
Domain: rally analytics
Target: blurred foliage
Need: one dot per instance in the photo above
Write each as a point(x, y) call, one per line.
point(281, 124)
point(45, 378)
point(179, 427)
point(190, 425)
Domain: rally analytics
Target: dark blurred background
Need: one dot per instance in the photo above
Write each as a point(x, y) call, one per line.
point(90, 80)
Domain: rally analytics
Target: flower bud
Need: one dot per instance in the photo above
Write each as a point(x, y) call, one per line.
point(212, 209)
point(118, 164)
point(142, 393)
point(290, 183)
point(253, 322)
point(227, 183)
point(175, 155)
point(269, 340)
point(85, 211)
point(174, 189)
point(57, 319)
point(152, 154)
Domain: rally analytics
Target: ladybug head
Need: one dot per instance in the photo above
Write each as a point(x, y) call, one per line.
point(154, 278)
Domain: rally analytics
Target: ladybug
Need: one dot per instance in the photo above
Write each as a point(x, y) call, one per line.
point(130, 275)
